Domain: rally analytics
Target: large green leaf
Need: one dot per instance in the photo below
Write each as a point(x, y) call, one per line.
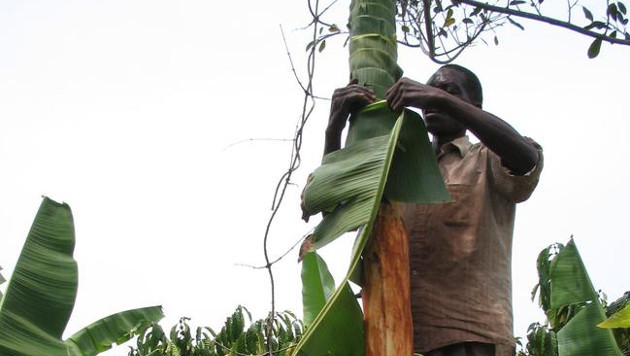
point(41, 292)
point(317, 286)
point(581, 337)
point(341, 330)
point(114, 329)
point(348, 180)
point(620, 319)
point(570, 285)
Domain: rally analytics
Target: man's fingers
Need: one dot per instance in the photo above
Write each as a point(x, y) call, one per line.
point(394, 99)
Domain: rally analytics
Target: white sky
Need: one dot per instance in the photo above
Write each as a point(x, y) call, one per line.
point(123, 109)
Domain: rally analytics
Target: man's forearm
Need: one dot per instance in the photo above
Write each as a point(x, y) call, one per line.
point(516, 153)
point(332, 141)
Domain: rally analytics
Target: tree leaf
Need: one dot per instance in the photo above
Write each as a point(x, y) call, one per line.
point(322, 45)
point(516, 23)
point(516, 2)
point(496, 40)
point(622, 7)
point(587, 13)
point(611, 11)
point(593, 49)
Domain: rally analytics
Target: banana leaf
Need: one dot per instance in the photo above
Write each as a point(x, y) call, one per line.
point(114, 329)
point(355, 179)
point(570, 284)
point(620, 319)
point(347, 182)
point(318, 286)
point(581, 336)
point(40, 296)
point(570, 281)
point(341, 332)
point(41, 292)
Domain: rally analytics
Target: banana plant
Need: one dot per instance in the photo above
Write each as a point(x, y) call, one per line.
point(573, 308)
point(387, 156)
point(40, 296)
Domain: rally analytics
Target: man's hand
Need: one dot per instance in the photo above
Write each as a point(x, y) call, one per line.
point(407, 92)
point(346, 101)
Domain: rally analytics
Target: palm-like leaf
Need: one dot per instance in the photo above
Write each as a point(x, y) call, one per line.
point(41, 292)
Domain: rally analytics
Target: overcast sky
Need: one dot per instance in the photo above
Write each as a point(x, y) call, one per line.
point(127, 110)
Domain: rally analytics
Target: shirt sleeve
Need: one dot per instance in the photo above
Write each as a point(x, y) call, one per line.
point(515, 188)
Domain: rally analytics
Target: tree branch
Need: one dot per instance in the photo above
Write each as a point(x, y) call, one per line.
point(545, 19)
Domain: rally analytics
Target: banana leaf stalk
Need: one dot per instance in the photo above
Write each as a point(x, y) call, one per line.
point(387, 157)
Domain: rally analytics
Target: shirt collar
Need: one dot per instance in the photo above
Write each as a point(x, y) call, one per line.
point(461, 144)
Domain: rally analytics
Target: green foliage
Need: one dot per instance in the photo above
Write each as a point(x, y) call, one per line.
point(573, 309)
point(41, 292)
point(233, 339)
point(541, 341)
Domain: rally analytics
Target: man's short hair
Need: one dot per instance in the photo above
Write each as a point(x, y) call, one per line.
point(473, 85)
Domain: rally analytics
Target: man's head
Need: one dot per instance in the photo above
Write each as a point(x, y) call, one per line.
point(459, 82)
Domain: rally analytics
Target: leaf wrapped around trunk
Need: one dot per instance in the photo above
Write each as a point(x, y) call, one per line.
point(373, 52)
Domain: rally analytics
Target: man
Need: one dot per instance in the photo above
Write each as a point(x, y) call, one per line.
point(460, 252)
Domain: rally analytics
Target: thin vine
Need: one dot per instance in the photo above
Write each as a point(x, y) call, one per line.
point(308, 106)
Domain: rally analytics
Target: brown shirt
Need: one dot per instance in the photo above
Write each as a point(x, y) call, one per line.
point(460, 252)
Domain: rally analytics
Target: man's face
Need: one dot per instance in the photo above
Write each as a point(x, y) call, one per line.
point(453, 82)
